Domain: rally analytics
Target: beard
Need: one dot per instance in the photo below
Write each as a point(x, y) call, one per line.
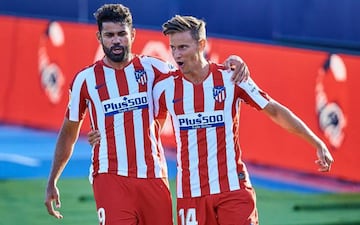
point(117, 57)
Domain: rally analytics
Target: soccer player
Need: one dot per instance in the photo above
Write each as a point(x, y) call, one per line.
point(213, 185)
point(128, 171)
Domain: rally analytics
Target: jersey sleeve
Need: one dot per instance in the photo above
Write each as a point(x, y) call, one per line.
point(251, 94)
point(163, 68)
point(160, 109)
point(77, 106)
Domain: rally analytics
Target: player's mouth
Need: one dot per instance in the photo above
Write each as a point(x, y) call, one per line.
point(117, 49)
point(180, 64)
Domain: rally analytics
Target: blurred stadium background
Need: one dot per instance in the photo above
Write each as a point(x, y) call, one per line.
point(306, 54)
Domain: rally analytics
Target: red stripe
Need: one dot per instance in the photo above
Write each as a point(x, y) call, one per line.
point(162, 116)
point(220, 136)
point(202, 142)
point(93, 119)
point(109, 121)
point(184, 154)
point(93, 115)
point(95, 127)
point(84, 95)
point(146, 123)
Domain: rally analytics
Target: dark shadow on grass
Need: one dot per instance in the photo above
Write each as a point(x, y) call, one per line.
point(338, 223)
point(333, 206)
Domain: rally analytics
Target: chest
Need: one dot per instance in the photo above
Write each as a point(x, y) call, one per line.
point(185, 98)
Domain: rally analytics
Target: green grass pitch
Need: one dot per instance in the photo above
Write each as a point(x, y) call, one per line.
point(22, 202)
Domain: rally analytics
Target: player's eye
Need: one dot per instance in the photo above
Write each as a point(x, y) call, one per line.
point(108, 35)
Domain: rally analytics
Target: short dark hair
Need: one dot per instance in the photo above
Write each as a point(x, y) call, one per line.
point(117, 13)
point(185, 23)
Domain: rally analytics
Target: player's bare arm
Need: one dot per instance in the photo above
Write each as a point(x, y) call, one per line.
point(63, 151)
point(289, 121)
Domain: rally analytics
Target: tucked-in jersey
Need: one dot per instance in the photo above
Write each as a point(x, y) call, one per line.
point(205, 119)
point(120, 106)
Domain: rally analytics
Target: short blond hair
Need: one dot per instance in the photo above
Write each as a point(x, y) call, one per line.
point(185, 23)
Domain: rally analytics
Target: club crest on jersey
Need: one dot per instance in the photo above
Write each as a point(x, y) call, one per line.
point(219, 93)
point(140, 76)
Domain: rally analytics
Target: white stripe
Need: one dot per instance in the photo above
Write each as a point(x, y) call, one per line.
point(133, 87)
point(252, 90)
point(90, 82)
point(74, 102)
point(91, 168)
point(178, 153)
point(208, 94)
point(94, 95)
point(212, 160)
point(120, 141)
point(211, 139)
point(194, 163)
point(188, 104)
point(229, 138)
point(159, 162)
point(169, 87)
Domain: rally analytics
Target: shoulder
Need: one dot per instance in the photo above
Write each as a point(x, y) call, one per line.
point(217, 66)
point(167, 78)
point(86, 71)
point(157, 63)
point(220, 72)
point(164, 82)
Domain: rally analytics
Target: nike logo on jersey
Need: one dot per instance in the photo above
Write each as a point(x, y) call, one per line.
point(125, 103)
point(177, 100)
point(99, 86)
point(241, 176)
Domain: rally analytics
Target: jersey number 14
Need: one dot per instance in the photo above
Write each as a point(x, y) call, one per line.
point(188, 217)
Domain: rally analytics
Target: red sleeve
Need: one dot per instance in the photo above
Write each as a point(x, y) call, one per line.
point(162, 109)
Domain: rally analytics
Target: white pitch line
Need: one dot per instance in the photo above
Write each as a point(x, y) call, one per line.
point(19, 159)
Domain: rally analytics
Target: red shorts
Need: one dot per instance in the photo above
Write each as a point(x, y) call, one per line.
point(132, 201)
point(228, 208)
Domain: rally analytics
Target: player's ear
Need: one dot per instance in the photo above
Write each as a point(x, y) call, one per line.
point(202, 44)
point(98, 36)
point(133, 34)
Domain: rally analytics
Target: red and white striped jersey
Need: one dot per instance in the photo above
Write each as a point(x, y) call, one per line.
point(120, 106)
point(205, 122)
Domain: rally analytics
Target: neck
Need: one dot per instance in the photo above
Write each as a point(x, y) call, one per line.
point(199, 72)
point(118, 65)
